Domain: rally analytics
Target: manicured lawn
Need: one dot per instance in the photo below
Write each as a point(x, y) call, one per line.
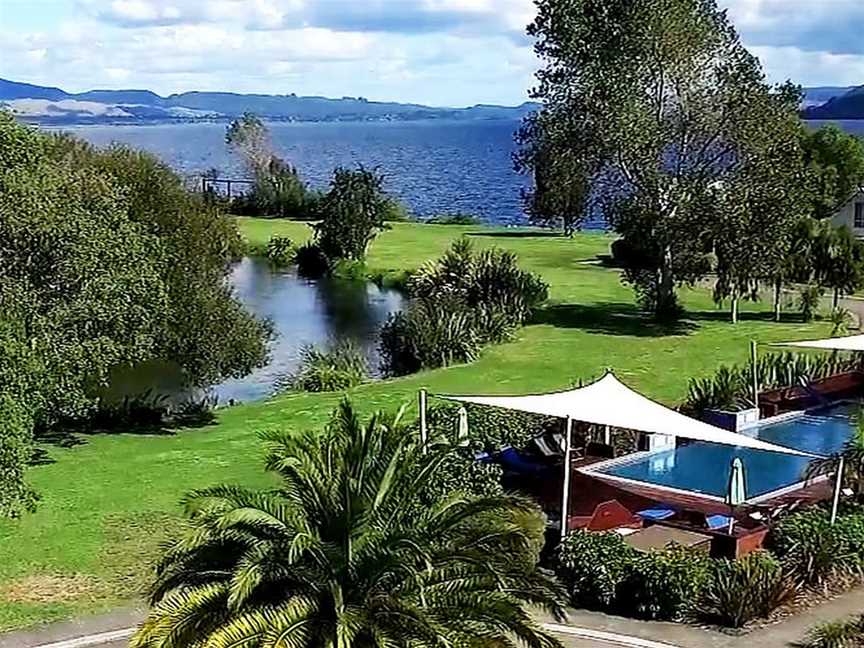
point(109, 501)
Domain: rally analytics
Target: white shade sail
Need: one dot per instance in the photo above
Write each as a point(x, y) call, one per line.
point(610, 402)
point(847, 343)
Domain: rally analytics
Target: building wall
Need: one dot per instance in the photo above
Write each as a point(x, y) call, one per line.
point(846, 214)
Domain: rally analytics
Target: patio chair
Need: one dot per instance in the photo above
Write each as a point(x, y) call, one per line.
point(605, 517)
point(547, 447)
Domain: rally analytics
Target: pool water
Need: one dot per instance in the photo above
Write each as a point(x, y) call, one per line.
point(704, 467)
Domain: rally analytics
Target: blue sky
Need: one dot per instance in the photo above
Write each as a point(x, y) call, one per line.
point(438, 52)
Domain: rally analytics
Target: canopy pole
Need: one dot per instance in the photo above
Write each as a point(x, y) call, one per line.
point(755, 371)
point(565, 496)
point(423, 431)
point(838, 484)
point(607, 435)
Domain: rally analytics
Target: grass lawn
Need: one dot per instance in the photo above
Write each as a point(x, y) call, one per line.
point(107, 502)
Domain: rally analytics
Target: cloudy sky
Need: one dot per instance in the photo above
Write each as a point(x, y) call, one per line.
point(438, 52)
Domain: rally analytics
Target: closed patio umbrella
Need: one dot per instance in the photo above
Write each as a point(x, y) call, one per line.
point(736, 494)
point(462, 430)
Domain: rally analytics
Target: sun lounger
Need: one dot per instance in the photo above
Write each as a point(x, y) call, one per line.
point(717, 522)
point(656, 514)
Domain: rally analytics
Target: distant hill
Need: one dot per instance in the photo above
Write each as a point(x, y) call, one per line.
point(819, 95)
point(56, 106)
point(849, 105)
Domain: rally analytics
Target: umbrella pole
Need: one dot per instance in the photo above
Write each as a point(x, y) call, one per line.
point(423, 432)
point(838, 484)
point(565, 496)
point(731, 520)
point(755, 371)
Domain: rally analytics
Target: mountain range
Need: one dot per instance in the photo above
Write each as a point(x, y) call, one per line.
point(45, 104)
point(52, 105)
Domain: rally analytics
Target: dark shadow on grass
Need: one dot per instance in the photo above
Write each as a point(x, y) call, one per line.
point(40, 457)
point(515, 234)
point(74, 434)
point(614, 318)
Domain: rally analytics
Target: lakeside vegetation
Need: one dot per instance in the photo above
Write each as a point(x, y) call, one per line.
point(108, 502)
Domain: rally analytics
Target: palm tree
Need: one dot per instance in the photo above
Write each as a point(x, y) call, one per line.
point(345, 552)
point(853, 459)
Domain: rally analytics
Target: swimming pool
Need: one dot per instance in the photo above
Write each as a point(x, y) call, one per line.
point(704, 467)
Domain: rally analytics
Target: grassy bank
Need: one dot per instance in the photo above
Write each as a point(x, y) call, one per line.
point(108, 501)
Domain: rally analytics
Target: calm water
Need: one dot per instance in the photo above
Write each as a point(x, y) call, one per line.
point(305, 312)
point(704, 467)
point(433, 166)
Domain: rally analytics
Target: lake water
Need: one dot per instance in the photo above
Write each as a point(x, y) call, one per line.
point(305, 312)
point(434, 167)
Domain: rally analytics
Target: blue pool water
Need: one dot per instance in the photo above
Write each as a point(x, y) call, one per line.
point(704, 467)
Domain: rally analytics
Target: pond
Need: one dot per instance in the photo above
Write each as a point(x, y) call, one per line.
point(304, 312)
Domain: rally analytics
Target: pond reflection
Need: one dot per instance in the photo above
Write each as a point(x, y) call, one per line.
point(304, 312)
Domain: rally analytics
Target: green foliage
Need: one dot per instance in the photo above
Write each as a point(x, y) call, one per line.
point(814, 551)
point(601, 571)
point(658, 187)
point(429, 334)
point(852, 454)
point(731, 388)
point(592, 566)
point(346, 550)
point(340, 367)
point(278, 192)
point(453, 219)
point(560, 193)
point(351, 213)
point(311, 261)
point(395, 211)
point(662, 584)
point(835, 163)
point(838, 259)
point(109, 260)
point(809, 300)
point(848, 633)
point(739, 591)
point(493, 428)
point(280, 251)
point(460, 302)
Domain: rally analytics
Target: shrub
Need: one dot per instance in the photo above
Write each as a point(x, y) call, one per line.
point(461, 301)
point(311, 261)
point(739, 591)
point(812, 550)
point(732, 387)
point(454, 219)
point(808, 302)
point(395, 211)
point(592, 566)
point(837, 634)
point(660, 585)
point(341, 367)
point(431, 333)
point(349, 270)
point(280, 251)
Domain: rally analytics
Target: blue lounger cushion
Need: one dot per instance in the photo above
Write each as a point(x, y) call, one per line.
point(656, 513)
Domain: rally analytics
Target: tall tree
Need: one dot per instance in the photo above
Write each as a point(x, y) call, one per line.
point(249, 137)
point(560, 195)
point(352, 213)
point(838, 260)
point(835, 162)
point(656, 95)
point(756, 210)
point(352, 548)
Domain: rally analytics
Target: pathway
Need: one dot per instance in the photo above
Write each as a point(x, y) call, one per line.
point(583, 630)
